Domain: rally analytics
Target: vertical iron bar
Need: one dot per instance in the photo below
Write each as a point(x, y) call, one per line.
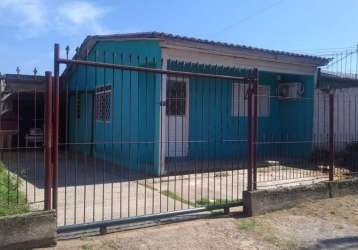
point(146, 139)
point(331, 136)
point(66, 152)
point(250, 137)
point(121, 138)
point(112, 131)
point(48, 145)
point(153, 119)
point(129, 136)
point(254, 124)
point(56, 125)
point(104, 140)
point(18, 146)
point(137, 139)
point(85, 135)
point(94, 137)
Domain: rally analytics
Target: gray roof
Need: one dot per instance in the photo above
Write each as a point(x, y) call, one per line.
point(23, 78)
point(24, 83)
point(337, 80)
point(168, 36)
point(90, 41)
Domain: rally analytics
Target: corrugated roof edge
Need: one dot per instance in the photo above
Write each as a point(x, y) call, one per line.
point(23, 77)
point(337, 81)
point(320, 61)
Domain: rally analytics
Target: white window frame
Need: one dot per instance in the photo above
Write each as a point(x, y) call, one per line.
point(263, 99)
point(186, 98)
point(239, 100)
point(102, 92)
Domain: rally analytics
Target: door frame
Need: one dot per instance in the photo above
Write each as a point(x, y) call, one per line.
point(184, 120)
point(163, 115)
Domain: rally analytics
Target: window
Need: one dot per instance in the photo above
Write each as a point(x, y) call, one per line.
point(103, 103)
point(263, 93)
point(240, 100)
point(176, 97)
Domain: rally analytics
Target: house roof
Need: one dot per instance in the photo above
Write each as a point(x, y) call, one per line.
point(23, 78)
point(337, 80)
point(90, 42)
point(19, 82)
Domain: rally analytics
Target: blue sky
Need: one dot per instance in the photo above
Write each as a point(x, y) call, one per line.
point(29, 28)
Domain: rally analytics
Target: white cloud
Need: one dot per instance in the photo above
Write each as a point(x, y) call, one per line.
point(81, 12)
point(82, 16)
point(29, 15)
point(34, 17)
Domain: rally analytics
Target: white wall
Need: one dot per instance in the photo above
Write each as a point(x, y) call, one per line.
point(345, 117)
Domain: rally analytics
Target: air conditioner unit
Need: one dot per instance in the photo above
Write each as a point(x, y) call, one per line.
point(290, 90)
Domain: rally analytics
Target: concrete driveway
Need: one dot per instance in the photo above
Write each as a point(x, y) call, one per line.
point(92, 190)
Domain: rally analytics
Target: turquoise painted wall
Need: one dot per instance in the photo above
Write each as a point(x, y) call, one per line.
point(129, 138)
point(287, 133)
point(297, 120)
point(214, 133)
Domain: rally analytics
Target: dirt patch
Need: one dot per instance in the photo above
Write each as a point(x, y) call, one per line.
point(219, 233)
point(324, 224)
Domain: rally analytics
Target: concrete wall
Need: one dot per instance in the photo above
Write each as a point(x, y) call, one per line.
point(27, 231)
point(264, 201)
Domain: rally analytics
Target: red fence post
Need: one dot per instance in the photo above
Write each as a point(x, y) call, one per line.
point(48, 141)
point(331, 136)
point(249, 137)
point(56, 124)
point(254, 124)
point(251, 118)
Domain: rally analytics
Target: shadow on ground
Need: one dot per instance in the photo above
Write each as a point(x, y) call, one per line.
point(337, 243)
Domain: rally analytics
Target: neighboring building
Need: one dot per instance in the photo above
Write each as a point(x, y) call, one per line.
point(129, 125)
point(345, 89)
point(21, 110)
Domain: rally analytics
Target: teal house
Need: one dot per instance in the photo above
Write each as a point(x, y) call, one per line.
point(156, 122)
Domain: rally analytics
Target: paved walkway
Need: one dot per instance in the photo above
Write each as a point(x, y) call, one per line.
point(94, 191)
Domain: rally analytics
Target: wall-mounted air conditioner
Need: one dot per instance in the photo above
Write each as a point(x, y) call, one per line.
point(290, 90)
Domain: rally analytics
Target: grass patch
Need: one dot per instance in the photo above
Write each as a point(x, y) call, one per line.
point(264, 230)
point(87, 247)
point(246, 224)
point(12, 200)
point(176, 197)
point(281, 242)
point(204, 202)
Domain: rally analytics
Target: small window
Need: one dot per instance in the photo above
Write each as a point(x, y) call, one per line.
point(103, 103)
point(176, 97)
point(263, 93)
point(240, 100)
